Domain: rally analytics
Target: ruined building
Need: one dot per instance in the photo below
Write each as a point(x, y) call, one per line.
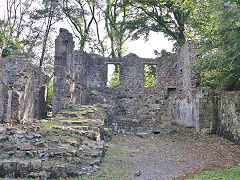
point(23, 89)
point(86, 110)
point(81, 78)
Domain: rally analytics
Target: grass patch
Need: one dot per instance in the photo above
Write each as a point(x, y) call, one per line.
point(63, 138)
point(77, 120)
point(49, 127)
point(181, 160)
point(218, 173)
point(114, 166)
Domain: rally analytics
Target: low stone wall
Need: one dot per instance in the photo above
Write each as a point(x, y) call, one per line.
point(229, 116)
point(205, 112)
point(71, 144)
point(216, 113)
point(29, 90)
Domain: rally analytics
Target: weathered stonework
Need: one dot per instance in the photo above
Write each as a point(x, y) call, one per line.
point(27, 95)
point(205, 112)
point(81, 78)
point(3, 97)
point(71, 144)
point(229, 116)
point(186, 82)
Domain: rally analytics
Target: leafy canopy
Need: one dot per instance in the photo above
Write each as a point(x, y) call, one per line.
point(215, 27)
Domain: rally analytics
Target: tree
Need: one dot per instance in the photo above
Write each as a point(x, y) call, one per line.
point(114, 78)
point(86, 18)
point(167, 16)
point(216, 33)
point(150, 76)
point(49, 14)
point(116, 14)
point(81, 14)
point(13, 25)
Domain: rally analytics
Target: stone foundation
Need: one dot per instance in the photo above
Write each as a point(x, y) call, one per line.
point(70, 145)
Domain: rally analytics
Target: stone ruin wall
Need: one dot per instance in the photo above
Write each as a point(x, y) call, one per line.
point(3, 101)
point(186, 107)
point(228, 116)
point(28, 98)
point(3, 96)
point(81, 78)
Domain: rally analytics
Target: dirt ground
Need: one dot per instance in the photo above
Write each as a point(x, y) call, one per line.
point(168, 155)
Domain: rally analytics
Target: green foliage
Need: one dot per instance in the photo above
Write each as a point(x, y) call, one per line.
point(81, 15)
point(219, 173)
point(167, 16)
point(115, 166)
point(114, 78)
point(25, 29)
point(163, 53)
point(50, 95)
point(116, 15)
point(150, 76)
point(8, 44)
point(214, 26)
point(12, 48)
point(12, 27)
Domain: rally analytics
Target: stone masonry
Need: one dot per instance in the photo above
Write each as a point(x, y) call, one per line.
point(87, 112)
point(3, 97)
point(80, 78)
point(71, 144)
point(27, 94)
point(228, 116)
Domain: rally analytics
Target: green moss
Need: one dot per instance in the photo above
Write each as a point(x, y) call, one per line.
point(63, 138)
point(181, 160)
point(218, 173)
point(49, 127)
point(43, 120)
point(114, 166)
point(77, 120)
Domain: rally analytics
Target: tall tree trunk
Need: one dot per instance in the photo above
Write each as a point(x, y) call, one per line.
point(47, 31)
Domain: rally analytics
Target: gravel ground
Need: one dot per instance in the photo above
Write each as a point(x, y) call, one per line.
point(168, 155)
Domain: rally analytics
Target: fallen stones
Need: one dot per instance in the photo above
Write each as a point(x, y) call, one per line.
point(54, 149)
point(138, 173)
point(25, 147)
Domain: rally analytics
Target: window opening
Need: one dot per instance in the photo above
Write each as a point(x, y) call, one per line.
point(113, 75)
point(150, 75)
point(171, 92)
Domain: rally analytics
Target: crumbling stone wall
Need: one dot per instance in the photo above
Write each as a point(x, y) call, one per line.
point(3, 96)
point(80, 77)
point(186, 82)
point(3, 101)
point(204, 105)
point(217, 113)
point(229, 116)
point(29, 90)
